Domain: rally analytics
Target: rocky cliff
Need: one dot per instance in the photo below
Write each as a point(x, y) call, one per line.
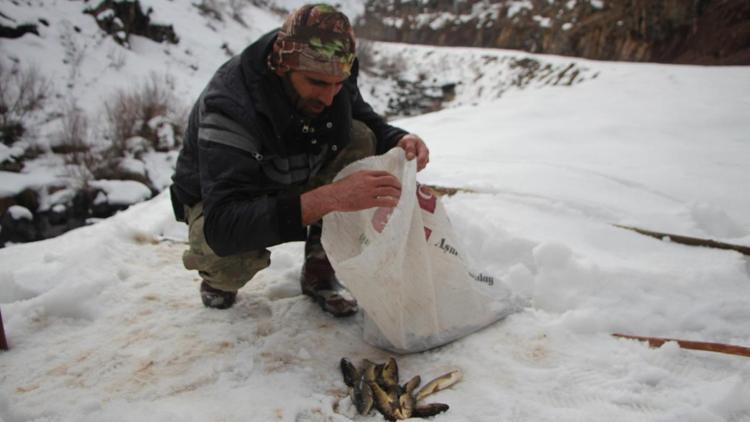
point(712, 32)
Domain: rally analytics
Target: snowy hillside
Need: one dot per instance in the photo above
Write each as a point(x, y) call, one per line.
point(105, 324)
point(80, 156)
point(86, 63)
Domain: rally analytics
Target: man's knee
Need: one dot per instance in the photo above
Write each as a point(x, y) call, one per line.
point(363, 140)
point(228, 273)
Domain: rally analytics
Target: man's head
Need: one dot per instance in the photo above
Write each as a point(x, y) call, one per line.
point(314, 51)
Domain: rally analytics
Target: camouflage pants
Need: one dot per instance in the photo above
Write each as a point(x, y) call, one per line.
point(232, 272)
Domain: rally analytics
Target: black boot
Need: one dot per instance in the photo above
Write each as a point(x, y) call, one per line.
point(319, 280)
point(215, 298)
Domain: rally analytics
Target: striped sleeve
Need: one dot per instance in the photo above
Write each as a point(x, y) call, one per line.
point(220, 129)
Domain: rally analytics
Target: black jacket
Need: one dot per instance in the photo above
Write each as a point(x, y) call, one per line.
point(247, 152)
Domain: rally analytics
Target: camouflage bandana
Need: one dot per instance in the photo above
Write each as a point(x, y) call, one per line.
point(315, 38)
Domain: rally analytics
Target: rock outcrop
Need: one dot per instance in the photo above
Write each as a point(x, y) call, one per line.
point(122, 18)
point(17, 31)
point(713, 32)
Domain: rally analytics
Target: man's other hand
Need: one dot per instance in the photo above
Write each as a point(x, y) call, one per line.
point(415, 147)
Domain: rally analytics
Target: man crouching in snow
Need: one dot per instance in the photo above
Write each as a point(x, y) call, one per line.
point(265, 139)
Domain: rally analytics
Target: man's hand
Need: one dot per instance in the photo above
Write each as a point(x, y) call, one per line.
point(415, 147)
point(358, 191)
point(366, 189)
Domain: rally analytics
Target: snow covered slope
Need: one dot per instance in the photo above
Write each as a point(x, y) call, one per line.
point(106, 325)
point(86, 69)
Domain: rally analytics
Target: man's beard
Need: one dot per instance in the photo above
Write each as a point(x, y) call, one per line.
point(310, 108)
point(305, 106)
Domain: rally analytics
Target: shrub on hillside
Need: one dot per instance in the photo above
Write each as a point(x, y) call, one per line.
point(394, 66)
point(149, 111)
point(142, 119)
point(80, 159)
point(210, 8)
point(23, 91)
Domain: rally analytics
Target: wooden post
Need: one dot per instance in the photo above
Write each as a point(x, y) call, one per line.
point(694, 345)
point(690, 241)
point(3, 341)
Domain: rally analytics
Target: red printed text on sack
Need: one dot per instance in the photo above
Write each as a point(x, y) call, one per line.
point(427, 200)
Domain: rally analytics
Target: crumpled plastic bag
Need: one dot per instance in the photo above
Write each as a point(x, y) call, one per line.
point(405, 267)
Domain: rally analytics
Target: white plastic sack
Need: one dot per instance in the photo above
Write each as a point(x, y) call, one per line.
point(405, 268)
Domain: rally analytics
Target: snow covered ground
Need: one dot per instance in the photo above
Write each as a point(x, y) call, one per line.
point(105, 325)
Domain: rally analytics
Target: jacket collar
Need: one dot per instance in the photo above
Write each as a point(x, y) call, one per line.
point(264, 86)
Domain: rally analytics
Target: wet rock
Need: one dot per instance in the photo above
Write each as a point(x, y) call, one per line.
point(22, 220)
point(120, 19)
point(17, 224)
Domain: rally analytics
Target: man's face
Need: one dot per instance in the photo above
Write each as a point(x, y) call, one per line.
point(316, 90)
